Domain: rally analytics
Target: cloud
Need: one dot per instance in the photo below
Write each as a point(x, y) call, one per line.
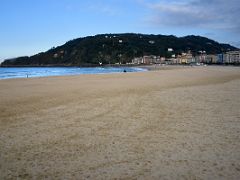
point(206, 14)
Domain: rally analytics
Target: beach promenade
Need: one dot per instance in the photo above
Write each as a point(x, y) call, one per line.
point(181, 123)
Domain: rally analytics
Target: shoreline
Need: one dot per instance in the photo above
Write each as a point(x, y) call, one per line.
point(153, 67)
point(145, 68)
point(31, 72)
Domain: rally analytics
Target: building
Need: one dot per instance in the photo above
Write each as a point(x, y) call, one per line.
point(147, 60)
point(201, 58)
point(211, 59)
point(151, 42)
point(220, 58)
point(137, 60)
point(162, 60)
point(151, 59)
point(184, 58)
point(232, 57)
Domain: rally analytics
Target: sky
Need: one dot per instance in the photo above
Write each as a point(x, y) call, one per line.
point(28, 27)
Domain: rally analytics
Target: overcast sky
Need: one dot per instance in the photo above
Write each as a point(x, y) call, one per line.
point(32, 26)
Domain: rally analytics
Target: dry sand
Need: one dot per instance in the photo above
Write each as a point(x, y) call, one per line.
point(175, 124)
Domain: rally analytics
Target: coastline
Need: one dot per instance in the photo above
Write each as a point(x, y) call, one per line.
point(182, 122)
point(34, 72)
point(48, 71)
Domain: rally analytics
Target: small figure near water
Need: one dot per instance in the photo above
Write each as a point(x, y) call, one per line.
point(124, 71)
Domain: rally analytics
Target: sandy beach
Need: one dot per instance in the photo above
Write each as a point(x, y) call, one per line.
point(180, 123)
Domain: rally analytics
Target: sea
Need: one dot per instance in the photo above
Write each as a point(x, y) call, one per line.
point(32, 72)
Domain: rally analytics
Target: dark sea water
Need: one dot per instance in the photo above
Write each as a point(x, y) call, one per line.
point(24, 72)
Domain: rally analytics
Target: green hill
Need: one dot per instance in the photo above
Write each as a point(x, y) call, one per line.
point(114, 48)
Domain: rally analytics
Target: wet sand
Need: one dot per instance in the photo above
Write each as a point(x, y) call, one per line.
point(179, 123)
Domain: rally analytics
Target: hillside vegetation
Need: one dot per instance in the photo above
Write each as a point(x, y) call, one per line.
point(118, 48)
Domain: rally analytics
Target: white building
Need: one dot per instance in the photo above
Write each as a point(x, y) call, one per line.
point(232, 57)
point(147, 60)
